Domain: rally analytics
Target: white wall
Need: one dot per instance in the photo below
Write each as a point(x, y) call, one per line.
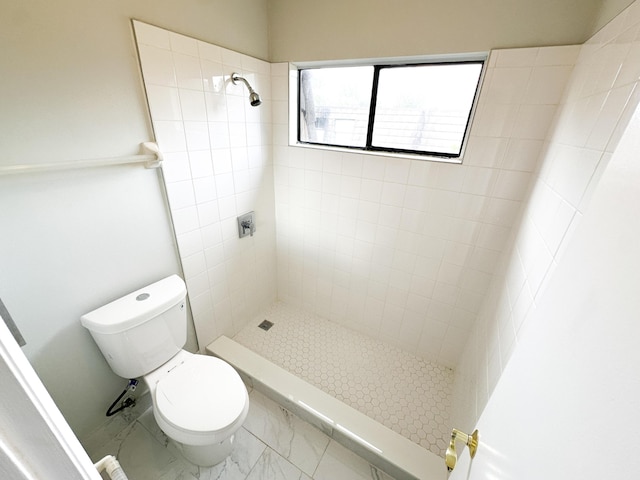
point(335, 29)
point(564, 404)
point(602, 94)
point(70, 71)
point(72, 241)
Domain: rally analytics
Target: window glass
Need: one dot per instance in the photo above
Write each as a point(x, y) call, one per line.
point(334, 105)
point(424, 108)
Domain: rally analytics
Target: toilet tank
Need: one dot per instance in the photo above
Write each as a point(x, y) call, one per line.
point(140, 331)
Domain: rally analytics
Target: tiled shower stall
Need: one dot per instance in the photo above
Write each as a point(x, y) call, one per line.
point(440, 260)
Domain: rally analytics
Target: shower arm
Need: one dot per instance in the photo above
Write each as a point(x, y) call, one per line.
point(235, 78)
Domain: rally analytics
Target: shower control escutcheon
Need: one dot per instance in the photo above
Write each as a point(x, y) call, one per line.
point(246, 224)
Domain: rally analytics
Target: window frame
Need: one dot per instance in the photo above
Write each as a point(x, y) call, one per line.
point(378, 65)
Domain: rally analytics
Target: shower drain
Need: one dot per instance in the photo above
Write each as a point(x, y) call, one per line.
point(266, 325)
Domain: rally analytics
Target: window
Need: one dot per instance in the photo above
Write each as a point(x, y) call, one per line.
point(422, 109)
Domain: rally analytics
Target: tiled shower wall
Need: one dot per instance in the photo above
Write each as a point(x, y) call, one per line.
point(405, 250)
point(217, 151)
point(602, 93)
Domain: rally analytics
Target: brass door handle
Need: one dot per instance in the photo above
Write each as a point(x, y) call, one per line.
point(451, 457)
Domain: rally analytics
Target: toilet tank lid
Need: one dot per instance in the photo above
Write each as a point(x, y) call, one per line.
point(137, 307)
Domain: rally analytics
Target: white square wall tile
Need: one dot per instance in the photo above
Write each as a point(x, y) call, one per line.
point(190, 243)
point(180, 194)
point(533, 121)
point(479, 181)
point(485, 151)
point(393, 194)
point(212, 234)
point(150, 35)
point(164, 102)
point(194, 264)
point(371, 190)
point(204, 319)
point(561, 55)
point(235, 108)
point(185, 219)
point(397, 170)
point(227, 207)
point(175, 166)
point(210, 52)
point(609, 116)
point(193, 105)
point(208, 213)
point(183, 44)
point(214, 255)
point(188, 73)
point(200, 162)
point(157, 66)
point(219, 135)
point(224, 185)
point(547, 85)
point(204, 189)
point(471, 207)
point(216, 106)
point(375, 167)
point(502, 212)
point(507, 85)
point(494, 120)
point(493, 237)
point(170, 136)
point(198, 284)
point(451, 176)
point(197, 135)
point(522, 154)
point(516, 57)
point(512, 185)
point(237, 134)
point(352, 165)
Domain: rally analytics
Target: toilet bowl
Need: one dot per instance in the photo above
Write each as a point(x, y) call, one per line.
point(199, 401)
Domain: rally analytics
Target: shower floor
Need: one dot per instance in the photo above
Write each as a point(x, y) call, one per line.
point(407, 394)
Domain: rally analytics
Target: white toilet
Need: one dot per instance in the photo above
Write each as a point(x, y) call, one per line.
point(198, 401)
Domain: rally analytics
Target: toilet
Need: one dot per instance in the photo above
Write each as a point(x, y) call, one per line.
point(199, 401)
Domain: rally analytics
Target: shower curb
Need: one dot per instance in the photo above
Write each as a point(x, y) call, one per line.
point(379, 445)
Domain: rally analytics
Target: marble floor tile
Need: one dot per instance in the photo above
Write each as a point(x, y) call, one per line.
point(237, 466)
point(115, 425)
point(143, 458)
point(272, 466)
point(297, 441)
point(341, 463)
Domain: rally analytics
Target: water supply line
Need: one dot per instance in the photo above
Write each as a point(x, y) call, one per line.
point(112, 467)
point(128, 402)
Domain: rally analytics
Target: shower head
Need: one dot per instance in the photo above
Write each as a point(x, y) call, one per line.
point(254, 98)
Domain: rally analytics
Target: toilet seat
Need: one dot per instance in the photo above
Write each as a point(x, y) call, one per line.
point(204, 396)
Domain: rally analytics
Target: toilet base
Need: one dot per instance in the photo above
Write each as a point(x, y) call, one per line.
point(207, 455)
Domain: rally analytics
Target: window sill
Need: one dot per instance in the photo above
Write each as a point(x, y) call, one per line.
point(406, 156)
